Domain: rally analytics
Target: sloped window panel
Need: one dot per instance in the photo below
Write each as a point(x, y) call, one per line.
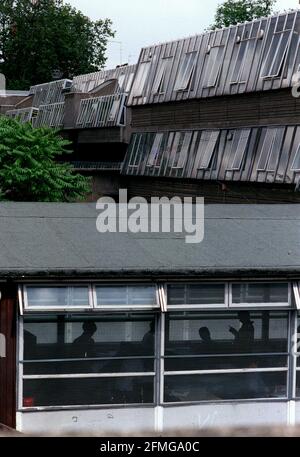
point(155, 150)
point(186, 70)
point(39, 297)
point(121, 80)
point(296, 161)
point(160, 82)
point(141, 79)
point(129, 82)
point(207, 145)
point(127, 296)
point(214, 65)
point(243, 61)
point(270, 150)
point(277, 53)
point(196, 294)
point(182, 150)
point(238, 148)
point(261, 293)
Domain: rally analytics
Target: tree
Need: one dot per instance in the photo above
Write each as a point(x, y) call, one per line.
point(232, 12)
point(40, 37)
point(29, 170)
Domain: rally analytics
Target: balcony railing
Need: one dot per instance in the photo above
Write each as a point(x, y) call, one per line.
point(105, 111)
point(50, 115)
point(84, 165)
point(23, 114)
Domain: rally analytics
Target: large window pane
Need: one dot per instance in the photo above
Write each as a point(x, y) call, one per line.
point(76, 337)
point(95, 391)
point(260, 293)
point(200, 333)
point(56, 297)
point(126, 296)
point(234, 386)
point(186, 70)
point(196, 294)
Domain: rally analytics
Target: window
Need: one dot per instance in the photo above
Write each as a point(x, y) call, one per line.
point(207, 146)
point(114, 110)
point(274, 294)
point(296, 162)
point(127, 296)
point(180, 149)
point(276, 56)
point(129, 83)
point(222, 356)
point(121, 80)
point(38, 297)
point(296, 289)
point(186, 70)
point(83, 360)
point(155, 150)
point(244, 58)
point(141, 79)
point(238, 148)
point(213, 66)
point(161, 79)
point(211, 295)
point(270, 149)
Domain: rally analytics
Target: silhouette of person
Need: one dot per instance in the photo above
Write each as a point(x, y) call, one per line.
point(84, 345)
point(244, 337)
point(149, 339)
point(206, 341)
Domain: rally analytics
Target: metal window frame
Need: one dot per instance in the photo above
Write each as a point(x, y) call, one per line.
point(125, 308)
point(239, 153)
point(195, 307)
point(161, 74)
point(140, 79)
point(185, 74)
point(274, 131)
point(155, 150)
point(25, 306)
point(267, 73)
point(296, 159)
point(274, 306)
point(209, 148)
point(211, 76)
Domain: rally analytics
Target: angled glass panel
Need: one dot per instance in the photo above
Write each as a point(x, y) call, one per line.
point(160, 82)
point(238, 148)
point(296, 162)
point(56, 297)
point(129, 82)
point(273, 64)
point(275, 150)
point(155, 150)
point(140, 80)
point(182, 150)
point(270, 149)
point(207, 145)
point(213, 68)
point(235, 77)
point(261, 293)
point(186, 69)
point(126, 296)
point(196, 294)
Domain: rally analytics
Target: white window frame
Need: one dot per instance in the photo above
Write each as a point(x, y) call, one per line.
point(164, 66)
point(296, 159)
point(296, 291)
point(203, 307)
point(210, 148)
point(184, 151)
point(257, 304)
point(25, 306)
point(240, 150)
point(141, 79)
point(270, 151)
point(155, 150)
point(214, 60)
point(125, 308)
point(267, 73)
point(186, 71)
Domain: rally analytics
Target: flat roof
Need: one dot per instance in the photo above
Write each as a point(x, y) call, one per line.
point(49, 239)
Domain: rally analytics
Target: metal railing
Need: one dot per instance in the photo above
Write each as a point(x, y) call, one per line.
point(84, 165)
point(105, 111)
point(50, 115)
point(23, 114)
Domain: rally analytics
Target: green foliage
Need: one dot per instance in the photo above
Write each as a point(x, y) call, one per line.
point(232, 12)
point(29, 170)
point(42, 36)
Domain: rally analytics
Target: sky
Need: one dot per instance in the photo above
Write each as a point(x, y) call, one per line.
point(140, 23)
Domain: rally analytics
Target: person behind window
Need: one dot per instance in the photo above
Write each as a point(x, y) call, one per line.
point(244, 337)
point(84, 345)
point(149, 339)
